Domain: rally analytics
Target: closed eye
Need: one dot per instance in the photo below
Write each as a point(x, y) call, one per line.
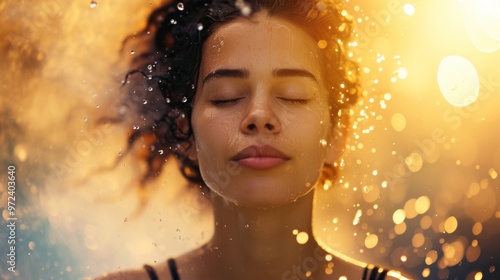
point(225, 101)
point(295, 100)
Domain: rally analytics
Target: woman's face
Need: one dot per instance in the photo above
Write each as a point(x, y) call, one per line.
point(260, 118)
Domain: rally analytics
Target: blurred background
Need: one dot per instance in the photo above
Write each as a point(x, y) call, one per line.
point(418, 190)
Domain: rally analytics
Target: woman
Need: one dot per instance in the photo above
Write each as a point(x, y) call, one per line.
point(253, 94)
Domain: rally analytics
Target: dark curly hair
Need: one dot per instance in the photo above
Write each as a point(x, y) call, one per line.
point(172, 44)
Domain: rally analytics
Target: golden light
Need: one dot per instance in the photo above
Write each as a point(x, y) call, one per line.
point(414, 162)
point(418, 240)
point(458, 81)
point(302, 237)
point(399, 216)
point(409, 9)
point(371, 241)
point(431, 257)
point(406, 143)
point(422, 204)
point(451, 224)
point(426, 272)
point(482, 24)
point(398, 122)
point(477, 228)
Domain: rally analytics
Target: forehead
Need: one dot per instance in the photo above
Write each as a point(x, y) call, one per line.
point(262, 41)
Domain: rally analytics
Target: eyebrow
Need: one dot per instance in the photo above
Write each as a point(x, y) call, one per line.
point(294, 72)
point(226, 73)
point(243, 73)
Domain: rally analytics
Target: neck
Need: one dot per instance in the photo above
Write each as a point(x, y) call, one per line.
point(261, 242)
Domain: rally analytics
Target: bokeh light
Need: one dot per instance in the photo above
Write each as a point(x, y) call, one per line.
point(458, 81)
point(418, 187)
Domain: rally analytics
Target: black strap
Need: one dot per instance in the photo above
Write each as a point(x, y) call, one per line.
point(374, 274)
point(172, 266)
point(151, 272)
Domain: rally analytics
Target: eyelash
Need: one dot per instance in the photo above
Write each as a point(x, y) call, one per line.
point(225, 101)
point(295, 101)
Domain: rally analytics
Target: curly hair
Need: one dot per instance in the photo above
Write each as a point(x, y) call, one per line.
point(173, 40)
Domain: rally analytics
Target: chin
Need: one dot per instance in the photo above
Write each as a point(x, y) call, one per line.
point(262, 197)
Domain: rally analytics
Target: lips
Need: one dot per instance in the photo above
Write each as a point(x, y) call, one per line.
point(260, 157)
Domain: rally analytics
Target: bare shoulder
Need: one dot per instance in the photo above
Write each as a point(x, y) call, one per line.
point(136, 274)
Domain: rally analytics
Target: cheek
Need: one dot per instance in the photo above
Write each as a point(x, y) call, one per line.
point(214, 136)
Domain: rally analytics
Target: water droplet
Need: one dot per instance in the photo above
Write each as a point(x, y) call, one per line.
point(144, 101)
point(160, 152)
point(97, 106)
point(132, 52)
point(322, 44)
point(247, 226)
point(323, 142)
point(135, 127)
point(150, 88)
point(180, 6)
point(184, 99)
point(93, 4)
point(173, 21)
point(150, 67)
point(167, 99)
point(199, 26)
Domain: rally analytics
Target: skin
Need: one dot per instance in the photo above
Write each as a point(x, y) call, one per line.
point(257, 210)
point(289, 112)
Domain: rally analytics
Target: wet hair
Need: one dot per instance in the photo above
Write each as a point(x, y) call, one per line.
point(169, 62)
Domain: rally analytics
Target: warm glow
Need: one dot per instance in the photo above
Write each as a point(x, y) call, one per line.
point(302, 237)
point(371, 241)
point(458, 81)
point(482, 24)
point(398, 122)
point(399, 216)
point(450, 224)
point(409, 9)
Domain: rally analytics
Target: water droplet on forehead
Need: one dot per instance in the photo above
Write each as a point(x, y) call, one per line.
point(132, 52)
point(93, 4)
point(180, 6)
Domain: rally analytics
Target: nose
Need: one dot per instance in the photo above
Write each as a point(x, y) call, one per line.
point(259, 117)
